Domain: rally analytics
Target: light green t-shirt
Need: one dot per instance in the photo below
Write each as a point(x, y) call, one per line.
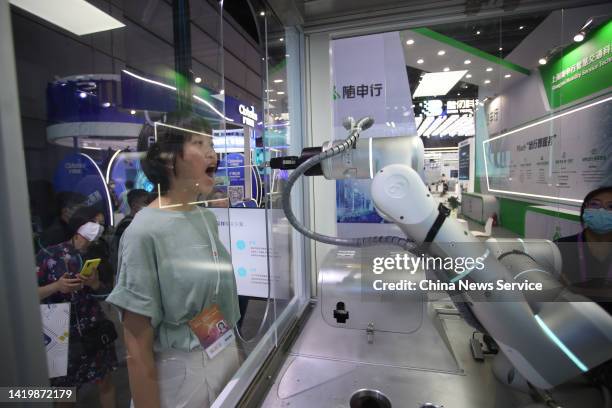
point(167, 272)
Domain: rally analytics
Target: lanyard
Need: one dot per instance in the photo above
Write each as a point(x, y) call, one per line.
point(215, 253)
point(583, 268)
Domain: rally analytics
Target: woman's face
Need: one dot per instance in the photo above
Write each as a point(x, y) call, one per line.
point(196, 168)
point(601, 200)
point(597, 216)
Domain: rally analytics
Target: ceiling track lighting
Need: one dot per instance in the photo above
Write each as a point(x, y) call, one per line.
point(587, 23)
point(586, 27)
point(579, 37)
point(550, 54)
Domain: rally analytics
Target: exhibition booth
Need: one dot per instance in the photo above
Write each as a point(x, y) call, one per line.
point(297, 204)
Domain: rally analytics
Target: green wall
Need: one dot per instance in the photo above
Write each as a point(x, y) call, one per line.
point(581, 69)
point(512, 214)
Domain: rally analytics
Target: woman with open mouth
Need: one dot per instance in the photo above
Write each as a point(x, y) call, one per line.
point(176, 285)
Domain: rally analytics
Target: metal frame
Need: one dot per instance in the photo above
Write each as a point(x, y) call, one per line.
point(406, 15)
point(21, 349)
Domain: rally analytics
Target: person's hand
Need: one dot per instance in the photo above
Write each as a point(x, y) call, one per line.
point(92, 281)
point(66, 284)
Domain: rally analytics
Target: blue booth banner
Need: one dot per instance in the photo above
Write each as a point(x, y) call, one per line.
point(91, 99)
point(78, 173)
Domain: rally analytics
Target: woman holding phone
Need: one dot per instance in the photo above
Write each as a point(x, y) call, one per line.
point(60, 280)
point(176, 284)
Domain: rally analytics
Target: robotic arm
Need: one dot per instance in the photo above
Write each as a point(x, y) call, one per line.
point(548, 342)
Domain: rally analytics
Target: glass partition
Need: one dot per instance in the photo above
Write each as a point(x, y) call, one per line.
point(281, 138)
point(147, 134)
point(512, 113)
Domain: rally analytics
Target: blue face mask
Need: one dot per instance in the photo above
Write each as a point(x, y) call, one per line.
point(598, 220)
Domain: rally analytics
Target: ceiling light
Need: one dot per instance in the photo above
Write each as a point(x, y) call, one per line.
point(489, 69)
point(501, 48)
point(420, 61)
point(542, 61)
point(280, 93)
point(133, 112)
point(262, 13)
point(106, 104)
point(468, 76)
point(467, 62)
point(222, 92)
point(77, 16)
point(487, 81)
point(83, 95)
point(269, 90)
point(282, 39)
point(507, 76)
point(478, 32)
point(198, 80)
point(446, 69)
point(521, 27)
point(272, 100)
point(579, 37)
point(588, 23)
point(410, 41)
point(441, 52)
point(438, 83)
point(278, 81)
point(458, 93)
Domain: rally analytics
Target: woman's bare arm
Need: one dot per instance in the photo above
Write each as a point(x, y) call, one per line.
point(139, 335)
point(47, 290)
point(65, 284)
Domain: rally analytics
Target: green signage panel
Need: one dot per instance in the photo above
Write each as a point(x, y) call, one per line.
point(581, 70)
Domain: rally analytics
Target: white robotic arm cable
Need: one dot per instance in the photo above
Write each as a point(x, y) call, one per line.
point(548, 342)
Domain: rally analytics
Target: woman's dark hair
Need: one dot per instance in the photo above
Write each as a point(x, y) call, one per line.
point(82, 216)
point(606, 189)
point(161, 155)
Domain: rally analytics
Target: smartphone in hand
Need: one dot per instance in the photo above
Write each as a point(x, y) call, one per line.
point(89, 267)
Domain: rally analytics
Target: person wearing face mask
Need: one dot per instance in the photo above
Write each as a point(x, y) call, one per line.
point(98, 249)
point(587, 256)
point(60, 281)
point(176, 283)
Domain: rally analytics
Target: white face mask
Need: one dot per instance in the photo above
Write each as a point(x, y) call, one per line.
point(90, 231)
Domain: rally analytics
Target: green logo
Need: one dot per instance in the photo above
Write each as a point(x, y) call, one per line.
point(335, 95)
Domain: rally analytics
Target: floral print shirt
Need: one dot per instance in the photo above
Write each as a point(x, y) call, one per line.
point(53, 262)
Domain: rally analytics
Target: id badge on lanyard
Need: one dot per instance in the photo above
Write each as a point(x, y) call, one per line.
point(210, 326)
